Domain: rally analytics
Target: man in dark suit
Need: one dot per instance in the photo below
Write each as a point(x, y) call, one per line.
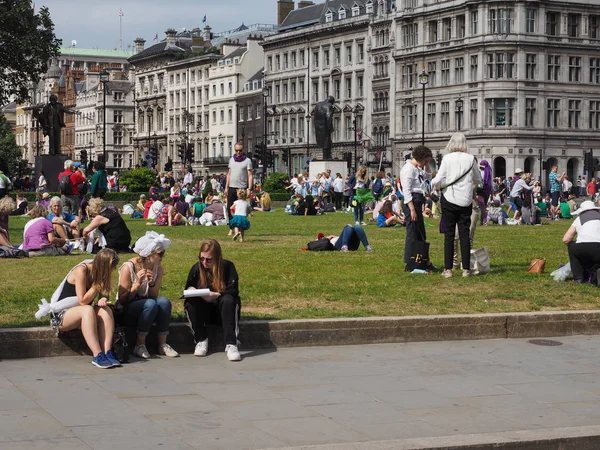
point(52, 121)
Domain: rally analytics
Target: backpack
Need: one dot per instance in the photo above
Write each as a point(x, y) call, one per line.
point(64, 185)
point(378, 186)
point(321, 245)
point(83, 187)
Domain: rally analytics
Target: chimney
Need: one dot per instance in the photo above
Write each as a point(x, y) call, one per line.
point(305, 3)
point(207, 35)
point(171, 37)
point(284, 7)
point(139, 45)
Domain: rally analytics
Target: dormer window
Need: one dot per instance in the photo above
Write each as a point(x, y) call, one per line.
point(236, 60)
point(342, 13)
point(355, 10)
point(247, 86)
point(329, 16)
point(369, 7)
point(255, 84)
point(228, 61)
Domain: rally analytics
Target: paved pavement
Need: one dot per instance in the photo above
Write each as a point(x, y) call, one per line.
point(303, 396)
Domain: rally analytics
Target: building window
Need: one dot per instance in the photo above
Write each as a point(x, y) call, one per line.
point(337, 52)
point(433, 30)
point(118, 160)
point(222, 86)
point(473, 113)
point(445, 72)
point(342, 14)
point(329, 16)
point(285, 93)
point(316, 91)
point(530, 66)
point(293, 60)
point(574, 25)
point(459, 70)
point(326, 58)
point(552, 23)
point(230, 87)
point(326, 88)
point(117, 137)
point(316, 60)
point(431, 116)
point(293, 85)
point(359, 82)
point(222, 114)
point(336, 88)
point(411, 35)
point(574, 113)
point(500, 21)
point(118, 96)
point(500, 65)
point(445, 116)
point(355, 11)
point(369, 7)
point(594, 27)
point(229, 115)
point(530, 20)
point(500, 112)
point(474, 65)
point(118, 116)
point(574, 68)
point(409, 117)
point(595, 70)
point(348, 88)
point(431, 70)
point(293, 127)
point(594, 115)
point(277, 94)
point(361, 51)
point(214, 117)
point(553, 67)
point(460, 26)
point(553, 112)
point(241, 114)
point(285, 60)
point(302, 60)
point(530, 112)
point(446, 29)
point(336, 129)
point(301, 88)
point(249, 111)
point(474, 25)
point(277, 62)
point(348, 54)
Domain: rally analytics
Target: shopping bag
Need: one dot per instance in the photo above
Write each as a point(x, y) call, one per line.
point(480, 261)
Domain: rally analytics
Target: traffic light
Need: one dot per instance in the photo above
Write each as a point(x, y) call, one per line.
point(181, 152)
point(588, 161)
point(284, 156)
point(190, 155)
point(154, 154)
point(84, 158)
point(438, 160)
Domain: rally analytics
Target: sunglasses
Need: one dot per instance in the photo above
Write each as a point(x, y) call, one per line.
point(203, 259)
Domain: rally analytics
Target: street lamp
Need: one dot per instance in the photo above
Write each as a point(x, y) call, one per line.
point(149, 115)
point(265, 93)
point(91, 144)
point(423, 79)
point(155, 161)
point(459, 106)
point(355, 112)
point(104, 79)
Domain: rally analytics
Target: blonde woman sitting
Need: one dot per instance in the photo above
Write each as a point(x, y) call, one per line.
point(265, 202)
point(140, 280)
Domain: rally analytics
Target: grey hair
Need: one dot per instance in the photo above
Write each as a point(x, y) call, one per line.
point(457, 143)
point(53, 200)
point(68, 164)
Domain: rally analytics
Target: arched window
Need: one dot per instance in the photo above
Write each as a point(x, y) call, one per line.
point(386, 136)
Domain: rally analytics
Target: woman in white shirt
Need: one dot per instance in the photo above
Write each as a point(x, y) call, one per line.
point(458, 179)
point(584, 253)
point(412, 176)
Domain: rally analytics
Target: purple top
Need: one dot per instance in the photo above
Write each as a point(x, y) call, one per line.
point(36, 236)
point(45, 203)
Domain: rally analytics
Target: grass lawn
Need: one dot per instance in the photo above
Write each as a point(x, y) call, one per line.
point(278, 280)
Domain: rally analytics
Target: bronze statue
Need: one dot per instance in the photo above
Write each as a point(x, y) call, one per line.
point(324, 125)
point(52, 121)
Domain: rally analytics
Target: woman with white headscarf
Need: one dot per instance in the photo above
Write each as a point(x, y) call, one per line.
point(140, 279)
point(583, 240)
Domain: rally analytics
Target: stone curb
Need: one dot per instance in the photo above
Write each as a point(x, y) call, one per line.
point(256, 334)
point(572, 438)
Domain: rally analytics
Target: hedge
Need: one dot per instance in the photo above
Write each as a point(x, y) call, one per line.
point(134, 196)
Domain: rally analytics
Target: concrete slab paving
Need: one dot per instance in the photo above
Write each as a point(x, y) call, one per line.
point(369, 397)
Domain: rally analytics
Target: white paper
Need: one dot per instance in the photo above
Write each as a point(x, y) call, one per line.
point(195, 292)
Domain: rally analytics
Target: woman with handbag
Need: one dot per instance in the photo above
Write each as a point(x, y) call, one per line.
point(458, 179)
point(140, 280)
point(412, 178)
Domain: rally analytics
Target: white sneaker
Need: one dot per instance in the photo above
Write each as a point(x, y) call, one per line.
point(141, 352)
point(201, 348)
point(232, 353)
point(447, 273)
point(466, 273)
point(167, 350)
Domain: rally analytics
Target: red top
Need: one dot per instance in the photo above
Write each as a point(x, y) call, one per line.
point(75, 177)
point(591, 188)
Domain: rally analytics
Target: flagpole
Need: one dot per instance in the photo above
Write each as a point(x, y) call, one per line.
point(121, 31)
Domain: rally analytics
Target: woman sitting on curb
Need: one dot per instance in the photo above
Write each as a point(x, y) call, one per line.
point(140, 280)
point(71, 306)
point(219, 275)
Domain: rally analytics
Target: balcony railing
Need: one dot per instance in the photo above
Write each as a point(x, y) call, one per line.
point(216, 161)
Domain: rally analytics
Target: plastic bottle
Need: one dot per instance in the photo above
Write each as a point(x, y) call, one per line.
point(421, 271)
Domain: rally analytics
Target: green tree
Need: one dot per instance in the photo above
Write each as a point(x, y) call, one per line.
point(10, 155)
point(138, 180)
point(276, 183)
point(28, 42)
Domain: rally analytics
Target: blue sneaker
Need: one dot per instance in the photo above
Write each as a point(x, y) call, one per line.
point(113, 359)
point(101, 361)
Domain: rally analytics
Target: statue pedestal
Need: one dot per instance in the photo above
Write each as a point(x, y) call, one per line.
point(335, 165)
point(52, 165)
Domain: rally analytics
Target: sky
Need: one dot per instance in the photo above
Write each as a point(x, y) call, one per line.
point(95, 24)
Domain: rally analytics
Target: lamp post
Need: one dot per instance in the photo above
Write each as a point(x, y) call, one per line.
point(355, 112)
point(459, 106)
point(155, 161)
point(423, 79)
point(265, 93)
point(104, 79)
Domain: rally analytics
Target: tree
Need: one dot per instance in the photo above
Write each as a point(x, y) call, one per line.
point(276, 182)
point(28, 43)
point(138, 180)
point(10, 155)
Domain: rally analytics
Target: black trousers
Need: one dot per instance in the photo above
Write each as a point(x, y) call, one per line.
point(453, 215)
point(338, 200)
point(584, 255)
point(231, 197)
point(225, 310)
point(415, 230)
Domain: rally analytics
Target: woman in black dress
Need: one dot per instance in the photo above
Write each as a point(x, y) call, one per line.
point(110, 223)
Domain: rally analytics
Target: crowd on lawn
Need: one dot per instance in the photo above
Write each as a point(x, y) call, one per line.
point(462, 193)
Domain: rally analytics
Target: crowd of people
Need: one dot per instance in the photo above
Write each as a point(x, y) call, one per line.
point(462, 193)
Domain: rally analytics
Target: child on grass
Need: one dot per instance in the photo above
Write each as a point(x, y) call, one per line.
point(240, 210)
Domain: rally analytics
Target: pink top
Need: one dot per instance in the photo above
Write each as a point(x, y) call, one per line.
point(36, 236)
